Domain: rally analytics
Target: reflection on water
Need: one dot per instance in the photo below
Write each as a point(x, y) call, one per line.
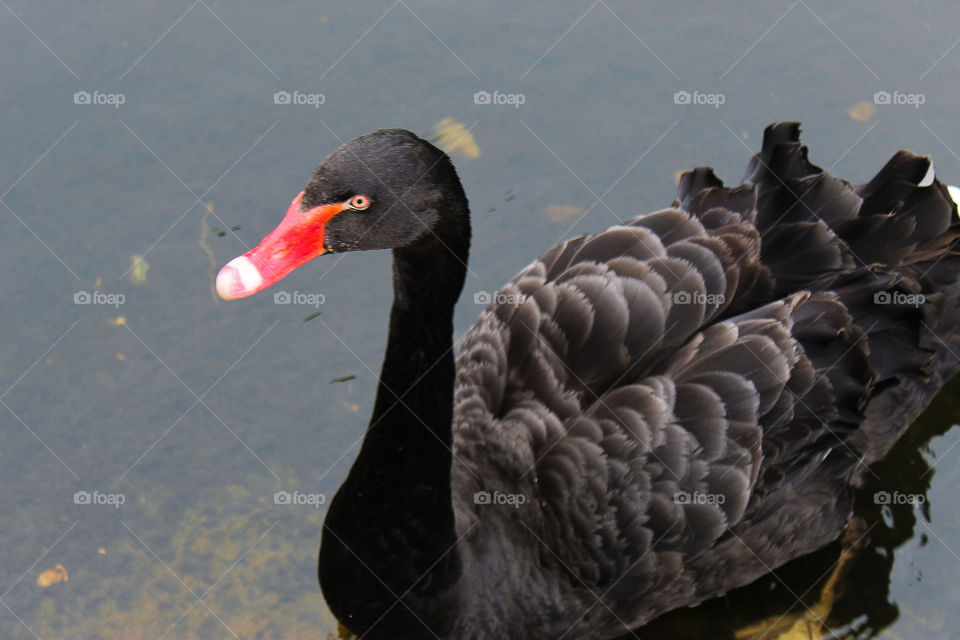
point(206, 537)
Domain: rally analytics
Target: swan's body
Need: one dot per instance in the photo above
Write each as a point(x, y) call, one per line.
point(645, 417)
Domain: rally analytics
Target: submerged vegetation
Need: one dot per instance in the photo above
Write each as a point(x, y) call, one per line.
point(226, 570)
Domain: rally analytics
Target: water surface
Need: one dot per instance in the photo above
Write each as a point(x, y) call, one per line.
point(194, 412)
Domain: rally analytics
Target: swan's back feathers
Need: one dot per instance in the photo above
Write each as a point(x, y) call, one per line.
point(684, 399)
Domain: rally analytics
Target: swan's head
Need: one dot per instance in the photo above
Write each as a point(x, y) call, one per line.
point(383, 190)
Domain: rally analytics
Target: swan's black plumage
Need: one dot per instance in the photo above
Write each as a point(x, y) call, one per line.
point(683, 401)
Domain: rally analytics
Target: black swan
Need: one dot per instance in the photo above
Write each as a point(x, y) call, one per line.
point(641, 419)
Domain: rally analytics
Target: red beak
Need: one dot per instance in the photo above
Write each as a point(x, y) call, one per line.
point(296, 240)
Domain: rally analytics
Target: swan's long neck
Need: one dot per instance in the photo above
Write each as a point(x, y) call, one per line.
point(390, 529)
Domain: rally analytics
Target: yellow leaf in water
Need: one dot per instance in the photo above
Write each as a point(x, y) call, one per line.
point(121, 357)
point(138, 269)
point(52, 576)
point(862, 111)
point(102, 551)
point(561, 212)
point(119, 321)
point(453, 137)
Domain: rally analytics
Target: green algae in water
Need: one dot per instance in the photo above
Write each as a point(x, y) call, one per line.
point(233, 547)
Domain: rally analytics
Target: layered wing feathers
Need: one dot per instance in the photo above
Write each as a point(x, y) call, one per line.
point(689, 391)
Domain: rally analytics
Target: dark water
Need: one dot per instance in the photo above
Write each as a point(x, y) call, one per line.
point(194, 412)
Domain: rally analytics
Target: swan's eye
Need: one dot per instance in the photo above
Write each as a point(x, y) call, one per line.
point(359, 202)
